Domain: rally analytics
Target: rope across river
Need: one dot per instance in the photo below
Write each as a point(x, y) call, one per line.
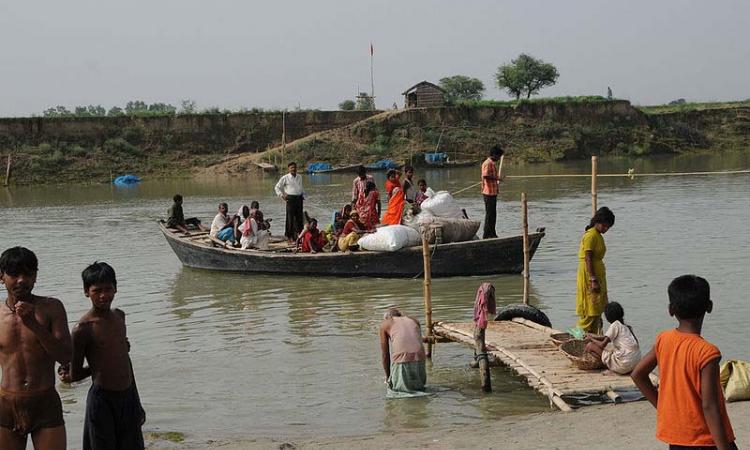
point(629, 174)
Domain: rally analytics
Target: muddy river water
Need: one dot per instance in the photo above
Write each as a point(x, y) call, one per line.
point(224, 355)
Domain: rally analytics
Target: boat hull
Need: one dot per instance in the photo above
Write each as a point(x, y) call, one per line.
point(479, 257)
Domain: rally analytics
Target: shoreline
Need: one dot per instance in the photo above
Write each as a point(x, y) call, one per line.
point(631, 425)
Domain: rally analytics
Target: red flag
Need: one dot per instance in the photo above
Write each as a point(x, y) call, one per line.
point(372, 50)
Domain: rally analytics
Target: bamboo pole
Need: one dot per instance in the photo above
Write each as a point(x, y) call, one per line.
point(427, 290)
point(525, 213)
point(500, 167)
point(7, 173)
point(480, 352)
point(594, 169)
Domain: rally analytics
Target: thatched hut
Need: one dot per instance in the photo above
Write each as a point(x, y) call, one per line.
point(424, 94)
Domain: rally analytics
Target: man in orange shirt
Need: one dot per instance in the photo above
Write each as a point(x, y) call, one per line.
point(490, 179)
point(690, 407)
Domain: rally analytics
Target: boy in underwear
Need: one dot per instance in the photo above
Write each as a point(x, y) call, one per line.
point(33, 335)
point(114, 415)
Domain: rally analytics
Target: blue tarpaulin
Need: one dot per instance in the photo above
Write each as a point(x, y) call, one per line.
point(383, 164)
point(436, 157)
point(318, 166)
point(126, 180)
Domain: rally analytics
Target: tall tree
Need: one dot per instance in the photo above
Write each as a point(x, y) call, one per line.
point(347, 105)
point(462, 88)
point(526, 75)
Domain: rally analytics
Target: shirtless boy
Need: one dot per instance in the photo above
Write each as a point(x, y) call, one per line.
point(33, 335)
point(114, 415)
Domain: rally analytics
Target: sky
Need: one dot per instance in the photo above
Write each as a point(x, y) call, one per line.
point(314, 54)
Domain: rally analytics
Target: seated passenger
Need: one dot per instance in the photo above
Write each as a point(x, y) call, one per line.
point(250, 235)
point(351, 233)
point(257, 214)
point(313, 240)
point(222, 227)
point(176, 218)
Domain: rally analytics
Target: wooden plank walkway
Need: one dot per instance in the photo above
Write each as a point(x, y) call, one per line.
point(526, 348)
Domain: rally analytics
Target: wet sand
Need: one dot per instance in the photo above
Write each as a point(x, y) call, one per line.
point(597, 427)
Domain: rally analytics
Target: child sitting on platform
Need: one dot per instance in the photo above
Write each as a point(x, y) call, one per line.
point(624, 352)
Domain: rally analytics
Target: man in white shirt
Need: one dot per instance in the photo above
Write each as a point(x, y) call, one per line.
point(290, 189)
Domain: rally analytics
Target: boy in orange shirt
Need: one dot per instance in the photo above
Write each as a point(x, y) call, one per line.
point(690, 407)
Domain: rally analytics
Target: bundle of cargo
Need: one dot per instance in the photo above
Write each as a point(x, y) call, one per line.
point(443, 220)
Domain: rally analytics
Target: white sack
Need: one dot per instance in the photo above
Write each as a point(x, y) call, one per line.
point(390, 238)
point(442, 204)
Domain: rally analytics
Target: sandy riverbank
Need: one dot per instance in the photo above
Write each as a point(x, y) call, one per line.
point(628, 426)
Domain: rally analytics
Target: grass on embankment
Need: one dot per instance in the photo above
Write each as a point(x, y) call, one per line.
point(684, 107)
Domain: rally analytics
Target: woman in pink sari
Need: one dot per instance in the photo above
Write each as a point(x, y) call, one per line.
point(369, 210)
point(395, 210)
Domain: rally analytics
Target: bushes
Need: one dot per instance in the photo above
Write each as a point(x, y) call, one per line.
point(121, 146)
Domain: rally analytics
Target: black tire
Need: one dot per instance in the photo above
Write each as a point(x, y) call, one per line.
point(527, 312)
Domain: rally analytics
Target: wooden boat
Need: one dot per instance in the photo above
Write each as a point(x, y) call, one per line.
point(478, 257)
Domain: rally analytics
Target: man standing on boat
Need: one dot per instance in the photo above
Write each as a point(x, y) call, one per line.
point(403, 354)
point(491, 177)
point(289, 188)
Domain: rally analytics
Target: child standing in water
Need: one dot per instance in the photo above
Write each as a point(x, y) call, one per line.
point(114, 415)
point(690, 407)
point(624, 353)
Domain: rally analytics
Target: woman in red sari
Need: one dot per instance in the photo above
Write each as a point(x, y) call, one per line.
point(370, 209)
point(395, 192)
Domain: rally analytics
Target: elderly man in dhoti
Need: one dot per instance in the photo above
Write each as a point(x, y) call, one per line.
point(403, 354)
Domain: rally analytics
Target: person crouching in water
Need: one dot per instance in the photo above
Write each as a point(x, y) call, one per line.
point(624, 353)
point(312, 239)
point(114, 415)
point(402, 353)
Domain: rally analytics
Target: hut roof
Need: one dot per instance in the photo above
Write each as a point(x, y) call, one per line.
point(423, 83)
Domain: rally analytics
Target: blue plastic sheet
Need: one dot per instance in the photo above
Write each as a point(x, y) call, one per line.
point(383, 164)
point(318, 166)
point(126, 180)
point(436, 157)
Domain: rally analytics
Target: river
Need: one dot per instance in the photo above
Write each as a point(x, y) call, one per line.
point(224, 355)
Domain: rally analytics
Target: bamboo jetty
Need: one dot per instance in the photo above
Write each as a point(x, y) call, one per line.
point(524, 346)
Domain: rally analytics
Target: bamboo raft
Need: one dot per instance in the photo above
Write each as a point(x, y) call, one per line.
point(525, 347)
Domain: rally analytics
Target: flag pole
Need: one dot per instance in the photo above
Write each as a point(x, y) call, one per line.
point(372, 76)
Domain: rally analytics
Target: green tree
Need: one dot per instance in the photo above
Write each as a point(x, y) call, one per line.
point(162, 108)
point(57, 111)
point(525, 75)
point(462, 88)
point(115, 111)
point(347, 105)
point(188, 106)
point(134, 108)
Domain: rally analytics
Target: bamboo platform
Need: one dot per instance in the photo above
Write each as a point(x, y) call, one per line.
point(526, 348)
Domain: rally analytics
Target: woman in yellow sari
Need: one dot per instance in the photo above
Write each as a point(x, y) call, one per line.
point(591, 291)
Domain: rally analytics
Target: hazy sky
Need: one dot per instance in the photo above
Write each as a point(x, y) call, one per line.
point(315, 53)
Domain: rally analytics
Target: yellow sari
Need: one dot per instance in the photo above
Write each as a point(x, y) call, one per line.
point(590, 305)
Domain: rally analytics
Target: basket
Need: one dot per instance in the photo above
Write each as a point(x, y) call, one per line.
point(574, 350)
point(559, 338)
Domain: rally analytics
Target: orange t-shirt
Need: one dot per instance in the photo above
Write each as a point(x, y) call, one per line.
point(489, 187)
point(679, 412)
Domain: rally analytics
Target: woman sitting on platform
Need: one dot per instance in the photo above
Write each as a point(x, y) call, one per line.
point(625, 352)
